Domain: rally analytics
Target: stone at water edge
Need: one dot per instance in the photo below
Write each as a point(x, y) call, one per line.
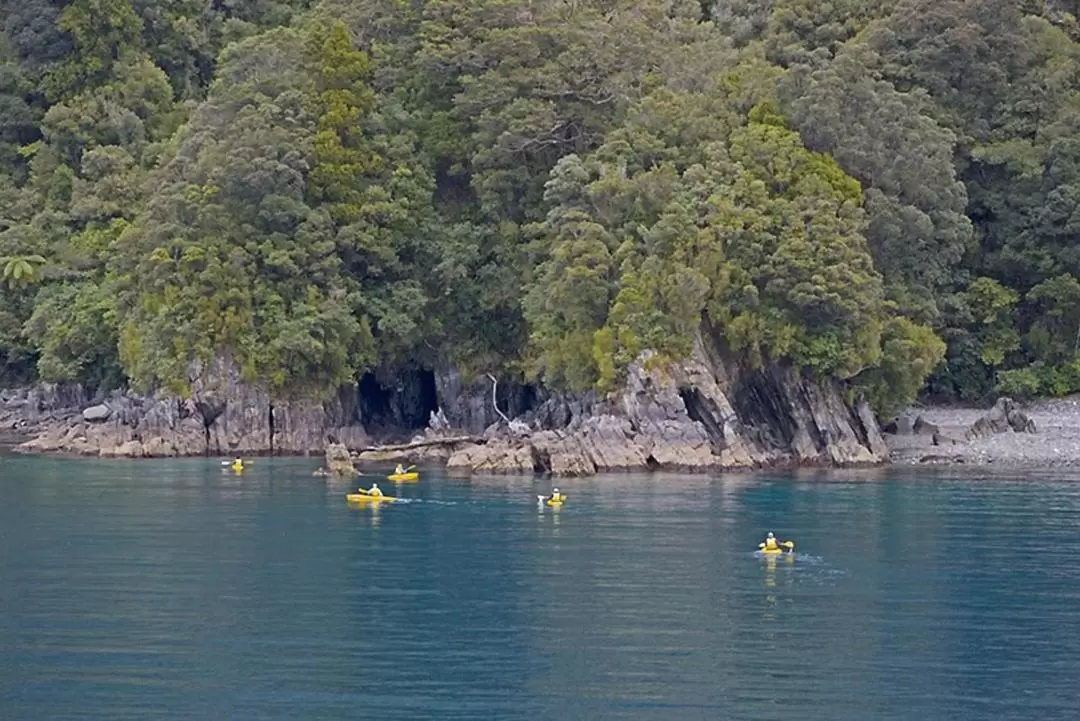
point(339, 462)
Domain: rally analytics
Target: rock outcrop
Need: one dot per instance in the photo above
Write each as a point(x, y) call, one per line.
point(339, 462)
point(223, 416)
point(700, 414)
point(466, 404)
point(1004, 417)
point(704, 413)
point(98, 413)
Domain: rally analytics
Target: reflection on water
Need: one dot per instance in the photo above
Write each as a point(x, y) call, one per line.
point(174, 591)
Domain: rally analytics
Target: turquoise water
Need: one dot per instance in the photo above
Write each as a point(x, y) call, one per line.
point(172, 590)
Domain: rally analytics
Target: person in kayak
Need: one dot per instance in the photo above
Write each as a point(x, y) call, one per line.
point(770, 542)
point(556, 496)
point(375, 490)
point(399, 470)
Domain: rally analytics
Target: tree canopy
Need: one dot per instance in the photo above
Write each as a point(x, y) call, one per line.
point(880, 193)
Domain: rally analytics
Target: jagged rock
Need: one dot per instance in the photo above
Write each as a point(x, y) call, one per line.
point(940, 439)
point(868, 430)
point(1004, 417)
point(384, 457)
point(467, 405)
point(706, 412)
point(557, 453)
point(158, 447)
point(128, 449)
point(224, 416)
point(611, 445)
point(97, 414)
point(945, 460)
point(339, 462)
point(696, 414)
point(922, 427)
point(438, 422)
point(518, 429)
point(899, 426)
point(493, 457)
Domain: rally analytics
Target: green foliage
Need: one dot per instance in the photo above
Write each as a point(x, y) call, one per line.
point(312, 189)
point(909, 353)
point(21, 270)
point(340, 153)
point(1039, 379)
point(762, 236)
point(991, 306)
point(103, 32)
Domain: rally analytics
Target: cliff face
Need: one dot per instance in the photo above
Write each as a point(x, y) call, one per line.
point(705, 413)
point(224, 416)
point(701, 414)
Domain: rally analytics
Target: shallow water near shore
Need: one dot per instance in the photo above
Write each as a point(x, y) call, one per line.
point(174, 590)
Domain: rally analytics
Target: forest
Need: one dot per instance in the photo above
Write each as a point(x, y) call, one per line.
point(883, 192)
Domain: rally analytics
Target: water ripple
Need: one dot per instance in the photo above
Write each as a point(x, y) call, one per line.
point(173, 591)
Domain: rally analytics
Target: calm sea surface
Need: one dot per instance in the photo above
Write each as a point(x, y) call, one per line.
point(174, 590)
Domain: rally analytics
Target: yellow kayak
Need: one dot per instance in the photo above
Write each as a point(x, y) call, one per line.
point(552, 502)
point(368, 498)
point(399, 477)
point(785, 547)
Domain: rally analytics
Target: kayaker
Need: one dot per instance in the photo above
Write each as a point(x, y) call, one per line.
point(375, 490)
point(556, 496)
point(399, 470)
point(770, 542)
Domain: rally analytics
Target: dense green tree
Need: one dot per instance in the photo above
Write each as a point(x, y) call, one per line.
point(315, 189)
point(915, 205)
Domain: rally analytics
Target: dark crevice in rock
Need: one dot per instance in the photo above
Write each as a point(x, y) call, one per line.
point(270, 423)
point(763, 414)
point(706, 413)
point(421, 401)
point(373, 403)
point(210, 412)
point(399, 405)
point(810, 402)
point(526, 401)
point(652, 464)
point(858, 425)
point(541, 460)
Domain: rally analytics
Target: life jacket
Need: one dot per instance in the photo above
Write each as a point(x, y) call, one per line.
point(376, 491)
point(770, 544)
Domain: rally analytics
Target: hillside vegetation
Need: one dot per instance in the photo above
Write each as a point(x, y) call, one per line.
point(886, 193)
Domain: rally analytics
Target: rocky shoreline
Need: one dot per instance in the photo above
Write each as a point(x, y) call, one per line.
point(649, 427)
point(705, 413)
point(1051, 440)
